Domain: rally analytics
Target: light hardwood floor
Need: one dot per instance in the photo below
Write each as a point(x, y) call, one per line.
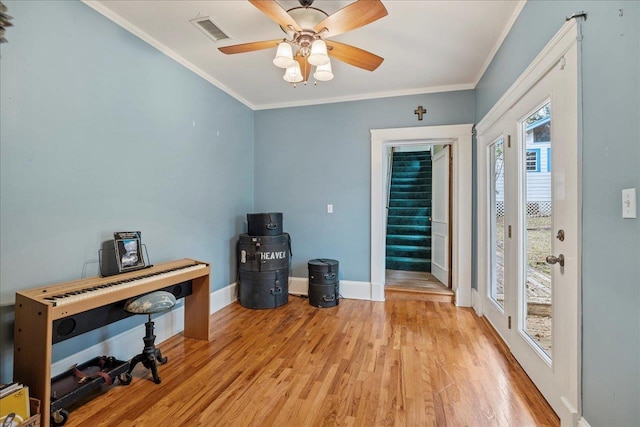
point(361, 363)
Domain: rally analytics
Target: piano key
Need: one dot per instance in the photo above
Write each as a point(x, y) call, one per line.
point(91, 292)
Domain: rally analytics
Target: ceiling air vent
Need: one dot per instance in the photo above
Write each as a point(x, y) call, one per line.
point(207, 26)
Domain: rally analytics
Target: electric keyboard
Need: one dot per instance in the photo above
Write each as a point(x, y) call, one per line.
point(67, 304)
point(97, 290)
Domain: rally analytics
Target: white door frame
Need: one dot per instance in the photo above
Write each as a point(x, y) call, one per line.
point(459, 137)
point(570, 363)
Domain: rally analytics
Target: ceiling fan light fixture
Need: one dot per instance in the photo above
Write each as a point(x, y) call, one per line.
point(318, 54)
point(306, 17)
point(284, 56)
point(307, 28)
point(293, 74)
point(323, 72)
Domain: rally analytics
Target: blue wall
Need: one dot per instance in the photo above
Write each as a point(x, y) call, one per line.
point(611, 155)
point(97, 136)
point(308, 157)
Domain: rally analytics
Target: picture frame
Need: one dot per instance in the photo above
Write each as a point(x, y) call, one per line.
point(128, 250)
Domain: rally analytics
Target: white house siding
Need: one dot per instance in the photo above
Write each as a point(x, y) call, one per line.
point(538, 184)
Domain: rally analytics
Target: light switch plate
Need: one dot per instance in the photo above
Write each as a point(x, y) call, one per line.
point(629, 203)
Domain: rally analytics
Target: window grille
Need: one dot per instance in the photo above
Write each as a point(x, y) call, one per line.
point(532, 160)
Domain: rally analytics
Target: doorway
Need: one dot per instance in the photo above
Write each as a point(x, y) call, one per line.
point(529, 222)
point(418, 221)
point(459, 138)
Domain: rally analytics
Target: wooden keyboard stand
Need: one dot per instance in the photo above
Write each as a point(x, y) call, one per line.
point(34, 316)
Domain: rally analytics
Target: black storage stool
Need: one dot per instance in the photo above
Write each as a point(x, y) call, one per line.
point(324, 287)
point(155, 302)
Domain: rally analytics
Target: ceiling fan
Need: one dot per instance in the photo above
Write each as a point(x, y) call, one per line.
point(309, 28)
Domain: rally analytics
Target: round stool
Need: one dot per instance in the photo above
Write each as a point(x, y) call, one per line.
point(155, 302)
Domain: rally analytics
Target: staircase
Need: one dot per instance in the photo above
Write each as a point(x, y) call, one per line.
point(408, 223)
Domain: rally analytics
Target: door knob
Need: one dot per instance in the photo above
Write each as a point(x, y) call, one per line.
point(551, 259)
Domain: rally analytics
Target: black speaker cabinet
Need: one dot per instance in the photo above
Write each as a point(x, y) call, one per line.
point(71, 326)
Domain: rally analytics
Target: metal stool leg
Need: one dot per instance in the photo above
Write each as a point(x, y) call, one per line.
point(149, 354)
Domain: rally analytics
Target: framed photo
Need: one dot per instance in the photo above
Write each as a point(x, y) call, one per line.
point(128, 246)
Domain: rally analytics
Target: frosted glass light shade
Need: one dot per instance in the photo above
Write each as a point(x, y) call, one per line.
point(323, 72)
point(318, 53)
point(293, 74)
point(284, 56)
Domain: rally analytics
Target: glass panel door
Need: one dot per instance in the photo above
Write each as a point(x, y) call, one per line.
point(540, 236)
point(537, 219)
point(497, 218)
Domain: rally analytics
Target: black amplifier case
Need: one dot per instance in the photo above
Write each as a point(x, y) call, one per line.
point(264, 224)
point(324, 287)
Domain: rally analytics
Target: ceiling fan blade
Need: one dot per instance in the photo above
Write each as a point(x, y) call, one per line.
point(355, 15)
point(274, 11)
point(305, 67)
point(353, 55)
point(249, 47)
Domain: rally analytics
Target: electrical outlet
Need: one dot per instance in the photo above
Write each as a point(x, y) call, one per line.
point(629, 203)
point(329, 208)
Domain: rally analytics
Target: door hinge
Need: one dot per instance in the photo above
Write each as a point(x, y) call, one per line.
point(509, 321)
point(508, 141)
point(509, 231)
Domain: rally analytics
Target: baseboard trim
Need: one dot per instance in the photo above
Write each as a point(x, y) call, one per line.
point(463, 296)
point(129, 343)
point(583, 423)
point(568, 413)
point(348, 288)
point(476, 303)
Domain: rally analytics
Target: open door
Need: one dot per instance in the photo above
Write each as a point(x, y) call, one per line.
point(440, 215)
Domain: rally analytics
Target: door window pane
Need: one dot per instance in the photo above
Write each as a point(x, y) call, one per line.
point(537, 295)
point(496, 186)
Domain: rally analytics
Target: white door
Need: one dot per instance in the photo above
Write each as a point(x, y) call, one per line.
point(530, 275)
point(440, 215)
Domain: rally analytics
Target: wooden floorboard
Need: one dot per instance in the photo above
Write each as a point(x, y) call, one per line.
point(361, 363)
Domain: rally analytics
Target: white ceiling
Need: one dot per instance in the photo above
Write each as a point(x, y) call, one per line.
point(427, 46)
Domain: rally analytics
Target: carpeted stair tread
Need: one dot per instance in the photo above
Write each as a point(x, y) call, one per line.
point(406, 195)
point(408, 239)
point(412, 174)
point(408, 220)
point(410, 181)
point(419, 211)
point(421, 252)
point(418, 230)
point(411, 163)
point(411, 188)
point(409, 203)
